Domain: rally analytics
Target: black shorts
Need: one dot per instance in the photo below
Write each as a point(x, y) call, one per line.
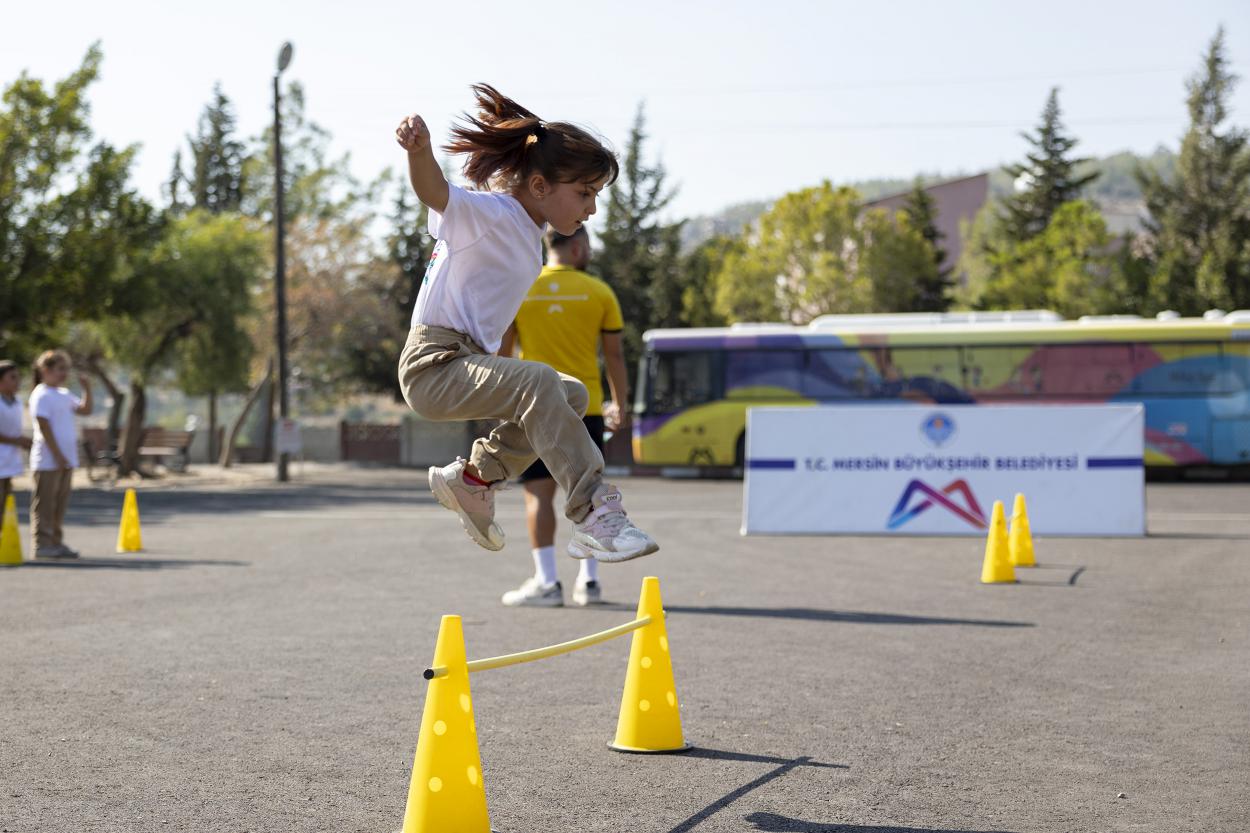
point(538, 471)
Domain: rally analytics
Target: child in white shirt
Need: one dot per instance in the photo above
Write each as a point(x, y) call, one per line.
point(489, 252)
point(54, 452)
point(12, 442)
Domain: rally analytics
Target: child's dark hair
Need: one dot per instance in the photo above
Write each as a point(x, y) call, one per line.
point(506, 144)
point(7, 367)
point(556, 240)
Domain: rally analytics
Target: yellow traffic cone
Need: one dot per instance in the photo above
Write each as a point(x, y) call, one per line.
point(128, 537)
point(10, 538)
point(650, 718)
point(1020, 542)
point(447, 794)
point(997, 568)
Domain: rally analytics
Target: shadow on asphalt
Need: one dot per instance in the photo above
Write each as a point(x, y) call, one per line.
point(131, 564)
point(774, 823)
point(786, 764)
point(1070, 581)
point(850, 616)
point(101, 507)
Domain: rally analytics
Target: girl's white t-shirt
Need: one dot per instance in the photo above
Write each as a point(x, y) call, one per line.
point(488, 255)
point(57, 406)
point(11, 463)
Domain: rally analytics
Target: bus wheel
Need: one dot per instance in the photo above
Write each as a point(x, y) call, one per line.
point(740, 452)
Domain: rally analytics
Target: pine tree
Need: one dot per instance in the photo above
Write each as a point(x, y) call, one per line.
point(639, 253)
point(1200, 217)
point(932, 285)
point(217, 159)
point(1045, 180)
point(174, 185)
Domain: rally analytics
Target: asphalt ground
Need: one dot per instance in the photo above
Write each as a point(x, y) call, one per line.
point(258, 668)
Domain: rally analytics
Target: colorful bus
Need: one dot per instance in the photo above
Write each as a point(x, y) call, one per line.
point(1192, 375)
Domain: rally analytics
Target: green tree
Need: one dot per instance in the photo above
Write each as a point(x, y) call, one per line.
point(1200, 217)
point(639, 254)
point(933, 284)
point(71, 225)
point(395, 280)
point(1071, 267)
point(1046, 179)
point(698, 270)
point(898, 263)
point(197, 285)
point(799, 262)
point(218, 158)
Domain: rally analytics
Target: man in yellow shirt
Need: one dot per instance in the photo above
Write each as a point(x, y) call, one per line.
point(564, 321)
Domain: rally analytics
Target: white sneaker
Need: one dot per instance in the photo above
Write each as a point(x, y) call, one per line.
point(607, 533)
point(588, 593)
point(533, 593)
point(473, 503)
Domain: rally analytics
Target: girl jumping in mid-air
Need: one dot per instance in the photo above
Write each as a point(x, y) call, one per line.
point(530, 173)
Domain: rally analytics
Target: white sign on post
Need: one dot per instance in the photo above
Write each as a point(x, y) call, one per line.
point(920, 470)
point(288, 439)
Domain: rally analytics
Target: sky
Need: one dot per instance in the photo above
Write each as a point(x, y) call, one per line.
point(743, 100)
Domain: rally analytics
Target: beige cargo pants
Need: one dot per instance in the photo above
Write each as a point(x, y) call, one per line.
point(445, 376)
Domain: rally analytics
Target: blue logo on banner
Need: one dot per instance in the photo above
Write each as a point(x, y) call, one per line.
point(938, 429)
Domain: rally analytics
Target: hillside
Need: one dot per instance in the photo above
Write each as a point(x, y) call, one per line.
point(1116, 190)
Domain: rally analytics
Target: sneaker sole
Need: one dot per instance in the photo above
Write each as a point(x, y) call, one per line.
point(442, 493)
point(535, 603)
point(587, 602)
point(577, 550)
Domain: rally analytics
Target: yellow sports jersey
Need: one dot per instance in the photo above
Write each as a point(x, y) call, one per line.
point(560, 322)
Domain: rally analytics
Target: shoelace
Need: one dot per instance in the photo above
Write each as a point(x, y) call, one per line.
point(614, 521)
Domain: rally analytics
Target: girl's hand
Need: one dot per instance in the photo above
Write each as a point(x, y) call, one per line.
point(61, 462)
point(84, 381)
point(24, 443)
point(412, 134)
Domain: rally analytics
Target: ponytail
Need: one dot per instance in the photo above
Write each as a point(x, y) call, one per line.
point(506, 144)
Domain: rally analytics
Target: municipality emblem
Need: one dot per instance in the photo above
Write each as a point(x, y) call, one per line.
point(938, 429)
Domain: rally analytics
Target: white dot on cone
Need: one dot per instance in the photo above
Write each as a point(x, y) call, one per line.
point(436, 784)
point(440, 728)
point(644, 705)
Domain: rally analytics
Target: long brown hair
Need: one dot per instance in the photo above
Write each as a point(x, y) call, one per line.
point(506, 144)
point(47, 359)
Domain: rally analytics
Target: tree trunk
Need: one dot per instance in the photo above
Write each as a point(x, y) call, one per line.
point(133, 438)
point(227, 453)
point(212, 426)
point(118, 401)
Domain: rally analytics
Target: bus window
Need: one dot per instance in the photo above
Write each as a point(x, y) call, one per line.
point(756, 374)
point(1185, 369)
point(999, 370)
point(838, 374)
point(1086, 369)
point(680, 380)
point(929, 374)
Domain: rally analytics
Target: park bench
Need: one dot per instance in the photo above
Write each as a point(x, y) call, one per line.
point(157, 443)
point(160, 443)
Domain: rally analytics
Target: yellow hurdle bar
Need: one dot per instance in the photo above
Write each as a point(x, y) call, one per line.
point(543, 653)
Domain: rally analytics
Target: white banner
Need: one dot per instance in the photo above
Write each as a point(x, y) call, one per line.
point(921, 470)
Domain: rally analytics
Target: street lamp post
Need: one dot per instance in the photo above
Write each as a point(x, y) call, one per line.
point(279, 276)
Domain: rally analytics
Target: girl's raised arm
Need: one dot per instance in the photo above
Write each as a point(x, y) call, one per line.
point(423, 171)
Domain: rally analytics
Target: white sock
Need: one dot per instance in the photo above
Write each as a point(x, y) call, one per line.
point(545, 564)
point(588, 570)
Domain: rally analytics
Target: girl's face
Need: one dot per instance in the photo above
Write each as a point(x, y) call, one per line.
point(567, 205)
point(55, 374)
point(9, 383)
